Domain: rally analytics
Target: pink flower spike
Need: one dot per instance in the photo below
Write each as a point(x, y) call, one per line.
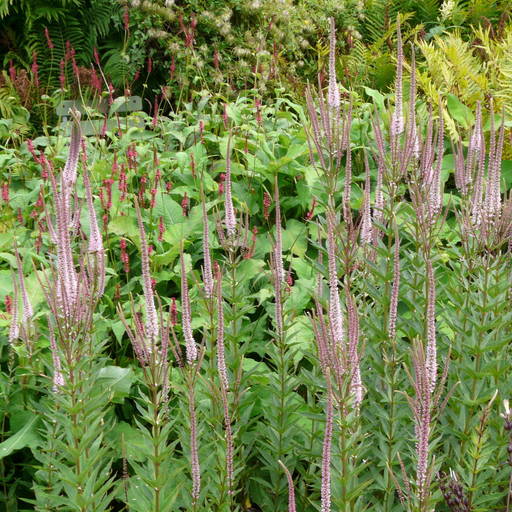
point(58, 379)
point(291, 491)
point(393, 303)
point(152, 329)
point(397, 120)
point(366, 234)
point(95, 239)
point(207, 269)
point(228, 202)
point(333, 96)
point(335, 313)
point(186, 316)
point(28, 312)
point(14, 330)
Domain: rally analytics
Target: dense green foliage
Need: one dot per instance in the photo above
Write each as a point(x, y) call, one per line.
point(276, 399)
point(171, 49)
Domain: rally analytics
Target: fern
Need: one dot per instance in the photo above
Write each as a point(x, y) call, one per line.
point(84, 23)
point(470, 72)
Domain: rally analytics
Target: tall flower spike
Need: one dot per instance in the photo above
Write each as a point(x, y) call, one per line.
point(347, 190)
point(397, 121)
point(67, 278)
point(335, 314)
point(492, 203)
point(366, 222)
point(70, 168)
point(194, 452)
point(14, 330)
point(431, 358)
point(28, 311)
point(278, 249)
point(476, 137)
point(378, 210)
point(228, 202)
point(95, 239)
point(224, 383)
point(152, 328)
point(421, 406)
point(356, 385)
point(221, 360)
point(277, 293)
point(435, 194)
point(291, 490)
point(477, 197)
point(333, 96)
point(186, 315)
point(207, 268)
point(413, 129)
point(393, 303)
point(58, 379)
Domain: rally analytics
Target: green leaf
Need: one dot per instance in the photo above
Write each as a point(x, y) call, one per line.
point(377, 97)
point(459, 112)
point(118, 380)
point(27, 436)
point(135, 443)
point(123, 226)
point(169, 209)
point(9, 258)
point(294, 238)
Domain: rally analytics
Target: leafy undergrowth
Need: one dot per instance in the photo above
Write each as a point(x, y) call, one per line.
point(258, 307)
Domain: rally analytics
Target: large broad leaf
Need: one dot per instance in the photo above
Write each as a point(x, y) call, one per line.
point(294, 238)
point(129, 439)
point(377, 97)
point(27, 436)
point(169, 209)
point(123, 226)
point(118, 380)
point(459, 112)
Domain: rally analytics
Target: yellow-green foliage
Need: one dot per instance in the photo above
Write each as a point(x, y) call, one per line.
point(471, 71)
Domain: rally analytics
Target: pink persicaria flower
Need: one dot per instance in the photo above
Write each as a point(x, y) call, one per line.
point(5, 192)
point(49, 41)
